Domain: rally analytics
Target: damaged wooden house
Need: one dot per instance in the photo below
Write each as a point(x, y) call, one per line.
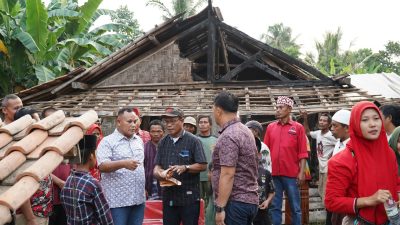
point(185, 63)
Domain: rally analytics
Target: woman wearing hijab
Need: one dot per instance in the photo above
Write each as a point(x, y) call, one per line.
point(95, 130)
point(364, 175)
point(394, 143)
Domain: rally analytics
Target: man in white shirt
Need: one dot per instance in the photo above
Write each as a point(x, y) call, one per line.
point(325, 145)
point(340, 129)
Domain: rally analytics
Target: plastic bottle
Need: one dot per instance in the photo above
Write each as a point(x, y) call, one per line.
point(392, 212)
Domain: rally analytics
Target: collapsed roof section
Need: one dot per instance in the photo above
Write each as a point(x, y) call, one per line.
point(218, 53)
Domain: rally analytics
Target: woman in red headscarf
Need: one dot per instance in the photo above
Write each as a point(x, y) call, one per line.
point(364, 175)
point(95, 130)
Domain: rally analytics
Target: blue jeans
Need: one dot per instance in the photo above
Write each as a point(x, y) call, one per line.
point(289, 185)
point(128, 215)
point(240, 213)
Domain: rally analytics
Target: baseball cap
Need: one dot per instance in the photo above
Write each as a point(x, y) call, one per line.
point(190, 120)
point(342, 116)
point(172, 112)
point(255, 125)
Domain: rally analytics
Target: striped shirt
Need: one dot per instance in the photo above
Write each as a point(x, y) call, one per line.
point(84, 201)
point(122, 187)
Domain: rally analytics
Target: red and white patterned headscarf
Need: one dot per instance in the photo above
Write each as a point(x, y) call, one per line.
point(285, 101)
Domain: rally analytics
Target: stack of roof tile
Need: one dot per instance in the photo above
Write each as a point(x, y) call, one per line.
point(30, 151)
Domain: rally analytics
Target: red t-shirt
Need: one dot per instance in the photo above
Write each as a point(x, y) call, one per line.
point(62, 172)
point(288, 145)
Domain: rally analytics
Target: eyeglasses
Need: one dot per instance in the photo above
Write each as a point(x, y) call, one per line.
point(170, 121)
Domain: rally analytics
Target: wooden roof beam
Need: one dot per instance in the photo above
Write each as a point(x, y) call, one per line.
point(224, 51)
point(263, 67)
point(231, 74)
point(212, 44)
point(276, 52)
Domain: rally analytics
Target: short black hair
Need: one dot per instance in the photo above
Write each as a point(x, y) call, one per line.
point(43, 114)
point(327, 115)
point(205, 116)
point(87, 147)
point(393, 111)
point(123, 110)
point(227, 101)
point(23, 112)
point(8, 97)
point(156, 123)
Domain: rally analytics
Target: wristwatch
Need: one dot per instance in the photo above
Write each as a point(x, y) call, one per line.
point(187, 167)
point(219, 209)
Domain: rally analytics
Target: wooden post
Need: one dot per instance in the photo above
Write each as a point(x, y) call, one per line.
point(211, 47)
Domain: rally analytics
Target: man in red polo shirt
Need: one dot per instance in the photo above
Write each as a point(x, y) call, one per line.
point(287, 142)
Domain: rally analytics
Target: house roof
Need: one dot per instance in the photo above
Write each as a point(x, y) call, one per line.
point(218, 52)
point(197, 98)
point(30, 151)
point(384, 84)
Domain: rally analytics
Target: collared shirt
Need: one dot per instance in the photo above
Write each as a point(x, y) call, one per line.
point(150, 151)
point(208, 143)
point(325, 145)
point(84, 201)
point(122, 187)
point(236, 147)
point(144, 135)
point(288, 145)
point(340, 146)
point(186, 150)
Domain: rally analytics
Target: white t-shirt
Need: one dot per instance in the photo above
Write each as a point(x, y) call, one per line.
point(325, 145)
point(340, 146)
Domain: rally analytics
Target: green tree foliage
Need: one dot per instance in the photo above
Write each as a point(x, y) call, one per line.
point(332, 60)
point(124, 16)
point(185, 7)
point(280, 37)
point(389, 59)
point(39, 43)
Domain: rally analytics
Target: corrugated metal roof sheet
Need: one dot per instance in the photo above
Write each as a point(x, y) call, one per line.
point(384, 84)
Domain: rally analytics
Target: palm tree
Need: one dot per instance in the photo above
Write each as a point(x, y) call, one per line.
point(185, 7)
point(280, 37)
point(329, 52)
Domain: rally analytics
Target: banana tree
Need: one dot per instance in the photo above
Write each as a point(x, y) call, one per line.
point(38, 43)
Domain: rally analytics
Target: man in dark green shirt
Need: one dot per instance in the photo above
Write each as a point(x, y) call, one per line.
point(208, 141)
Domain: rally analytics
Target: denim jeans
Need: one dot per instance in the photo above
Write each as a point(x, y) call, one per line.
point(240, 213)
point(289, 185)
point(129, 215)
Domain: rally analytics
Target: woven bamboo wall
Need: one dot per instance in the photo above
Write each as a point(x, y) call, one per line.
point(163, 66)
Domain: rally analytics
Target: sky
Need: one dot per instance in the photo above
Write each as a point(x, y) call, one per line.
point(365, 23)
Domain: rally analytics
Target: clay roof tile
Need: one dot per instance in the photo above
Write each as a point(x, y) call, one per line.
point(31, 151)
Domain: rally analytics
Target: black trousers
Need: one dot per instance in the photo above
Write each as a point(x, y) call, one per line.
point(58, 217)
point(174, 215)
point(262, 217)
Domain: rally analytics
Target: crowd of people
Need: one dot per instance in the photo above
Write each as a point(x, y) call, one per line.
point(240, 176)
